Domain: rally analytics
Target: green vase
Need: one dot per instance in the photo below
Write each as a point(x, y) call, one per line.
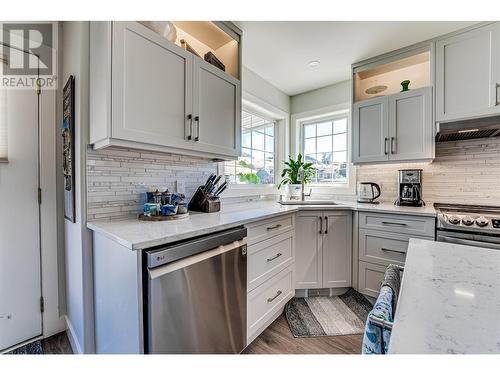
point(405, 85)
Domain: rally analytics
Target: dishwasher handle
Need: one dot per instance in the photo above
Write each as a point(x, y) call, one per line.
point(158, 272)
point(172, 253)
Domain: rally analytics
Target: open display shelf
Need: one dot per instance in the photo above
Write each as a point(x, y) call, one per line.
point(385, 79)
point(200, 38)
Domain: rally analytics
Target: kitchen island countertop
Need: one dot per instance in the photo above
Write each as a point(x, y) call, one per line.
point(449, 300)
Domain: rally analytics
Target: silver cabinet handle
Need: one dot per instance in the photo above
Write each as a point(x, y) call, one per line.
point(274, 257)
point(274, 227)
point(197, 121)
point(190, 118)
point(278, 293)
point(393, 223)
point(392, 251)
point(393, 145)
point(321, 225)
point(385, 145)
point(326, 224)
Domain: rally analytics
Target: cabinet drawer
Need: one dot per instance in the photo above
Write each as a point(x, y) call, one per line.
point(370, 278)
point(384, 247)
point(407, 224)
point(267, 299)
point(269, 257)
point(262, 230)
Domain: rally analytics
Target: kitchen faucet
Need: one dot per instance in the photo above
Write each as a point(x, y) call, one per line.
point(301, 176)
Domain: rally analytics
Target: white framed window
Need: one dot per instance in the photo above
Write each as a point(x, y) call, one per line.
point(325, 145)
point(257, 163)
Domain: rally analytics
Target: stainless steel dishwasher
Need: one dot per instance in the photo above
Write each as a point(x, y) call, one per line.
point(195, 295)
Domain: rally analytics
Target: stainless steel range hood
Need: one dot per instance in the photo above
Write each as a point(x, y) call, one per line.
point(468, 129)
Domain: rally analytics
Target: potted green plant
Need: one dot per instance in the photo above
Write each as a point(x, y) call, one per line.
point(290, 175)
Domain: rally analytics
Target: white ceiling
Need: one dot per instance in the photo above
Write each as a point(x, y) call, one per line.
point(280, 51)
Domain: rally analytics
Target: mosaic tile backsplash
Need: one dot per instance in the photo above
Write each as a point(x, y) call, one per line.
point(466, 172)
point(118, 178)
point(462, 172)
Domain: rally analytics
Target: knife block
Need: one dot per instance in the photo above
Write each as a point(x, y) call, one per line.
point(204, 202)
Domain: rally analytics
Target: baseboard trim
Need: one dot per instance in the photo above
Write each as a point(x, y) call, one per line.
point(73, 341)
point(14, 347)
point(330, 292)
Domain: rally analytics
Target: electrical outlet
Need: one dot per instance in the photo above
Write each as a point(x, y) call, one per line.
point(179, 186)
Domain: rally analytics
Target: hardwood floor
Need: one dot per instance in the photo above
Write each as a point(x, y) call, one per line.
point(278, 339)
point(57, 344)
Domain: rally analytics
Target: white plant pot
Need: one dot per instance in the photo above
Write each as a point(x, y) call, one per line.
point(293, 191)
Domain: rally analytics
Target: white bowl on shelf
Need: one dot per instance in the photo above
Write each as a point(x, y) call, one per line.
point(164, 28)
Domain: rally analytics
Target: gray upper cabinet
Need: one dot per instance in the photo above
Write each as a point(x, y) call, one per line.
point(396, 127)
point(150, 94)
point(217, 107)
point(370, 130)
point(468, 74)
point(410, 125)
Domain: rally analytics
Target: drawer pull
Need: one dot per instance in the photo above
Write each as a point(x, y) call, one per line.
point(274, 257)
point(393, 251)
point(269, 300)
point(274, 227)
point(326, 224)
point(393, 223)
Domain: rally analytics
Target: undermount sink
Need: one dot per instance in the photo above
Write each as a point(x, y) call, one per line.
point(308, 202)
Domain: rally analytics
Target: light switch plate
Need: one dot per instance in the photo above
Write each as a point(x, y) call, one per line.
point(179, 186)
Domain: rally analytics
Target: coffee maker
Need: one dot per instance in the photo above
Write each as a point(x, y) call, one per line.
point(410, 188)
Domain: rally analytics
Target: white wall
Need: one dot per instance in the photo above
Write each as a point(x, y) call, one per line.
point(255, 86)
point(323, 97)
point(79, 283)
point(315, 103)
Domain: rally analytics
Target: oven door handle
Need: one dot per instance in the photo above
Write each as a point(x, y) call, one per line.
point(462, 241)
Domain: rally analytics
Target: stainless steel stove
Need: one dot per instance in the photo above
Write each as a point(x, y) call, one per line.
point(468, 225)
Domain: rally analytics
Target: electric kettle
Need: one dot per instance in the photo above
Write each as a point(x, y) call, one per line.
point(368, 192)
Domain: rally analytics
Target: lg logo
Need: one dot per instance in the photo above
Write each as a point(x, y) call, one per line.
point(27, 49)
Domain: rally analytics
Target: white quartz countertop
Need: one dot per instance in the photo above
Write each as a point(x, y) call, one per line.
point(136, 235)
point(449, 300)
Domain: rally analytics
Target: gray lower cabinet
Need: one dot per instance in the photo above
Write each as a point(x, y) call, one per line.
point(323, 254)
point(382, 240)
point(396, 127)
point(370, 278)
point(468, 74)
point(270, 271)
point(150, 94)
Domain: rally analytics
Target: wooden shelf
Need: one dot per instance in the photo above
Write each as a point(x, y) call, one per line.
point(415, 68)
point(203, 37)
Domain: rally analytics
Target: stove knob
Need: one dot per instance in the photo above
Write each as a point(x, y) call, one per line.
point(482, 221)
point(467, 220)
point(454, 219)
